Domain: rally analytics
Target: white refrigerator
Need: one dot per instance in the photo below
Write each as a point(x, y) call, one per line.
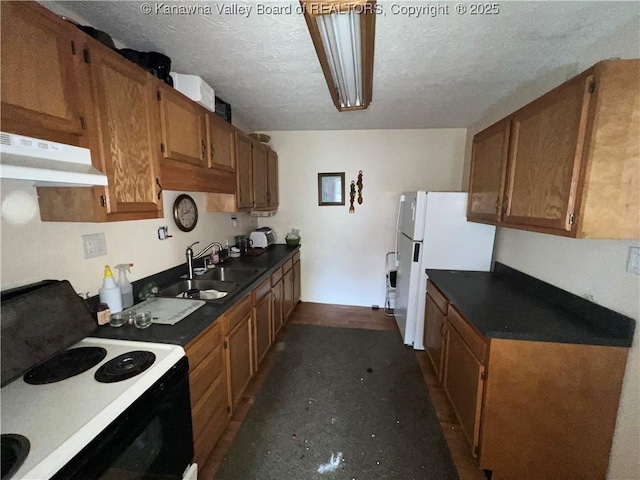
point(432, 232)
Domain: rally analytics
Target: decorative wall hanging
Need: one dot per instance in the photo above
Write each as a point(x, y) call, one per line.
point(359, 184)
point(353, 197)
point(330, 189)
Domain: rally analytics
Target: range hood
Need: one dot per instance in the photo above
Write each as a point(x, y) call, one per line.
point(48, 164)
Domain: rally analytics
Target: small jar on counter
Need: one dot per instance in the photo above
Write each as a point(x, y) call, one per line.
point(101, 313)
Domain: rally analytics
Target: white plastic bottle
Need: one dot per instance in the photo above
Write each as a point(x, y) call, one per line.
point(110, 292)
point(126, 290)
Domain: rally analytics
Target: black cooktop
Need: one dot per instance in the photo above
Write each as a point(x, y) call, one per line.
point(65, 364)
point(125, 366)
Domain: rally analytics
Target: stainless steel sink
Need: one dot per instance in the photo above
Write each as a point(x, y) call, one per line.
point(191, 289)
point(241, 275)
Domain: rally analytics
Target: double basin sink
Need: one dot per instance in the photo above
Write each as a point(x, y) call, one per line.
point(221, 279)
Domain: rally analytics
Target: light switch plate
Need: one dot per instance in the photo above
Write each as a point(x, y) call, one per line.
point(633, 261)
point(95, 245)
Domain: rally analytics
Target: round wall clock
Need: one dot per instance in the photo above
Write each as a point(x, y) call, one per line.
point(185, 213)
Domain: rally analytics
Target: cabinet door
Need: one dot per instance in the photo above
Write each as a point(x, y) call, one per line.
point(488, 167)
point(239, 359)
point(463, 383)
point(259, 160)
point(547, 140)
point(433, 333)
point(277, 302)
point(183, 128)
point(244, 172)
point(287, 293)
point(124, 96)
point(221, 146)
point(272, 179)
point(262, 319)
point(296, 284)
point(38, 84)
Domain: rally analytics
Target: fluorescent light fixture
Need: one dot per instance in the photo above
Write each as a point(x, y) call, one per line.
point(343, 33)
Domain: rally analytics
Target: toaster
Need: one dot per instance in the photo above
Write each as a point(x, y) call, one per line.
point(262, 238)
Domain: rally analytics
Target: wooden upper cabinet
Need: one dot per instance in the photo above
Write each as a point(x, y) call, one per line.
point(259, 162)
point(221, 144)
point(272, 179)
point(489, 159)
point(124, 97)
point(39, 85)
point(184, 124)
point(546, 151)
point(244, 175)
point(573, 166)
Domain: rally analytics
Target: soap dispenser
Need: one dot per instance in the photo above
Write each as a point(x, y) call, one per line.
point(126, 290)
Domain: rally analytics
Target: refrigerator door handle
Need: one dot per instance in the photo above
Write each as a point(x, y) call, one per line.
point(402, 200)
point(413, 211)
point(416, 252)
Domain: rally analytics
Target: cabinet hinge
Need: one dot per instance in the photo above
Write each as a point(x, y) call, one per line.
point(86, 55)
point(73, 47)
point(162, 147)
point(572, 219)
point(159, 95)
point(592, 86)
point(82, 126)
point(103, 200)
point(224, 344)
point(483, 376)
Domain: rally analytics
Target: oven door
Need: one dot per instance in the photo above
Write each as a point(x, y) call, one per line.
point(152, 439)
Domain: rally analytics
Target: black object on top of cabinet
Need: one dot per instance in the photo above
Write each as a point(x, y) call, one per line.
point(38, 321)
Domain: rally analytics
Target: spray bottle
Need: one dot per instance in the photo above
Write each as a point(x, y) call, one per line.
point(110, 292)
point(126, 290)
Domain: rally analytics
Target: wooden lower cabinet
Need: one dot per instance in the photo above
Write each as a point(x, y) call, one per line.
point(531, 410)
point(434, 319)
point(277, 305)
point(262, 321)
point(463, 382)
point(208, 389)
point(287, 294)
point(238, 345)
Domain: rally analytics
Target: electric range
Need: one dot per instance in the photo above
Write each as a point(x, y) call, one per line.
point(62, 418)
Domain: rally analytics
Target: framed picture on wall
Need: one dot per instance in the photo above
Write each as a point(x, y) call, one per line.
point(330, 189)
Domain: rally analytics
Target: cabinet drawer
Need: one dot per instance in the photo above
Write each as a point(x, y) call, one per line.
point(209, 419)
point(207, 371)
point(296, 257)
point(261, 290)
point(276, 276)
point(476, 342)
point(198, 349)
point(287, 265)
point(238, 313)
point(439, 299)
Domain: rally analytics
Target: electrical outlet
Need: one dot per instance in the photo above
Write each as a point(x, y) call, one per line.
point(633, 260)
point(95, 245)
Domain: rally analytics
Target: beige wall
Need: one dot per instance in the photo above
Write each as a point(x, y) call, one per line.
point(343, 254)
point(37, 250)
point(590, 268)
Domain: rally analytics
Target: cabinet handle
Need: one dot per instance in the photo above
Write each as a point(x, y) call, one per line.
point(204, 150)
point(159, 188)
point(505, 204)
point(212, 150)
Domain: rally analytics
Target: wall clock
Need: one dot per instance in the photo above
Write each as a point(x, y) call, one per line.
point(185, 213)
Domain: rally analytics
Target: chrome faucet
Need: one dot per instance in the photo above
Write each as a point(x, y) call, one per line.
point(190, 256)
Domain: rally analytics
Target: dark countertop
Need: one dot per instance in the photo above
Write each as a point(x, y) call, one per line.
point(188, 328)
point(509, 304)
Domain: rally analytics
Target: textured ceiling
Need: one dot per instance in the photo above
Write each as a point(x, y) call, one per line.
point(429, 72)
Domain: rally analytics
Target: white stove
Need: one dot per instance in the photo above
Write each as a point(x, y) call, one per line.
point(59, 419)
